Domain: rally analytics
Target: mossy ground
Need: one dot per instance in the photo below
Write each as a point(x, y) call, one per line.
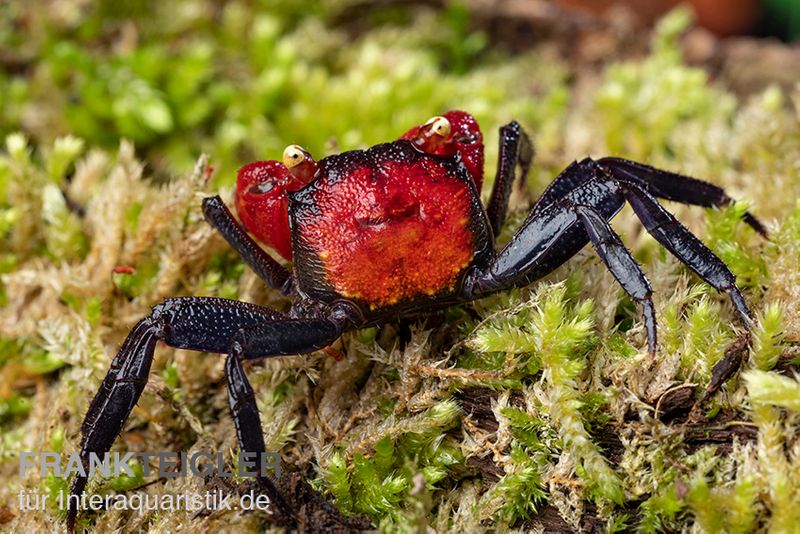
point(538, 408)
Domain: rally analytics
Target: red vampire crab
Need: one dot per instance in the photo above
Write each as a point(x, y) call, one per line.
point(393, 231)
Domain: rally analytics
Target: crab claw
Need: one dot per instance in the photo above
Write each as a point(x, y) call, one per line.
point(261, 200)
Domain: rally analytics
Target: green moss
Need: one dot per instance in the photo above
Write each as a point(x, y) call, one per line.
point(768, 336)
point(773, 389)
point(552, 336)
point(725, 508)
point(660, 512)
point(643, 106)
point(253, 82)
point(526, 428)
point(705, 338)
point(723, 227)
point(13, 407)
point(382, 485)
point(125, 482)
point(518, 493)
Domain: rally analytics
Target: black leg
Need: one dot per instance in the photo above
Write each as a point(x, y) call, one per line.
point(289, 336)
point(673, 186)
point(622, 265)
point(550, 236)
point(576, 174)
point(554, 231)
point(659, 183)
point(198, 323)
point(284, 337)
point(574, 237)
point(244, 411)
point(666, 229)
point(273, 273)
point(649, 182)
point(515, 149)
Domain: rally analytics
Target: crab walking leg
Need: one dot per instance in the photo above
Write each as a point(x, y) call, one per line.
point(668, 185)
point(244, 411)
point(622, 265)
point(666, 229)
point(566, 225)
point(291, 336)
point(575, 237)
point(273, 273)
point(673, 186)
point(657, 182)
point(515, 149)
point(575, 175)
point(547, 239)
point(206, 324)
point(198, 323)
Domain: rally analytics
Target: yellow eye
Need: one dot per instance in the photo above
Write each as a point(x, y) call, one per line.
point(294, 155)
point(439, 126)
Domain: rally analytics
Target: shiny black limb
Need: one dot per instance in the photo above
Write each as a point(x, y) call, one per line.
point(564, 227)
point(559, 226)
point(244, 411)
point(676, 238)
point(622, 265)
point(674, 186)
point(205, 324)
point(273, 273)
point(515, 150)
point(550, 236)
point(286, 336)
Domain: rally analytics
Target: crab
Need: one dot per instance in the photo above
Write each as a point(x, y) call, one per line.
point(395, 231)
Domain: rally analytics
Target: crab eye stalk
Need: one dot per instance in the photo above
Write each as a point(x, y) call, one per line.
point(439, 126)
point(433, 136)
point(294, 155)
point(299, 162)
point(454, 132)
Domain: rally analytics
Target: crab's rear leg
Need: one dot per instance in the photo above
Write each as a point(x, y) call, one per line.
point(666, 229)
point(673, 186)
point(622, 265)
point(204, 324)
point(540, 246)
point(659, 183)
point(554, 232)
point(515, 150)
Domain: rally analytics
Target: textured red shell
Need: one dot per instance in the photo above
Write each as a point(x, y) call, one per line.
point(385, 225)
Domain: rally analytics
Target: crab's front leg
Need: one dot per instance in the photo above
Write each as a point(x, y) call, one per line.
point(270, 271)
point(207, 324)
